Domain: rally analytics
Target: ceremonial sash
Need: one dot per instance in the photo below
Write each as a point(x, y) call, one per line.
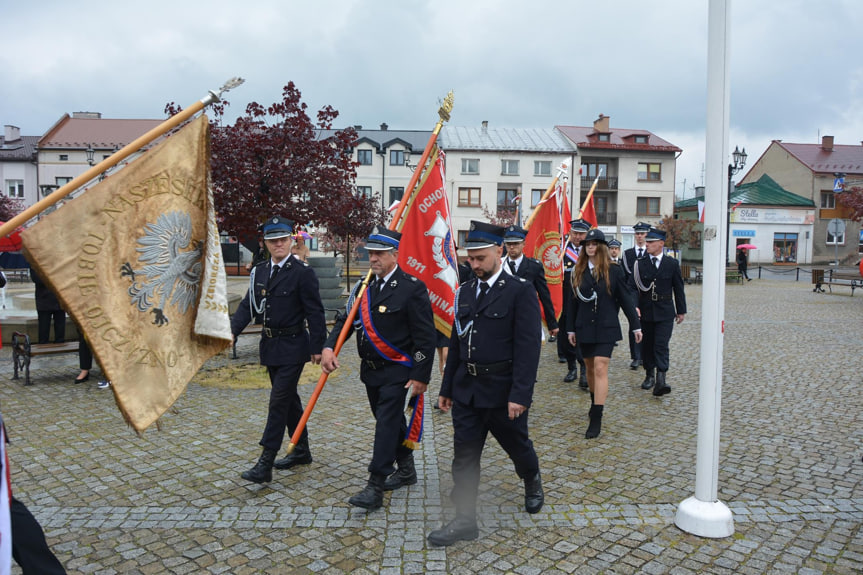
point(384, 348)
point(571, 253)
point(415, 427)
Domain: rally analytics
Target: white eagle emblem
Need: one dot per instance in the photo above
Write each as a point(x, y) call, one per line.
point(172, 269)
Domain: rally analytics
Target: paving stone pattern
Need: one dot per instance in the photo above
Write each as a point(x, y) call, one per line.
point(172, 501)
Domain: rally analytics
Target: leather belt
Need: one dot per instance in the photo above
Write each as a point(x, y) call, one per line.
point(660, 297)
point(377, 363)
point(489, 368)
point(282, 331)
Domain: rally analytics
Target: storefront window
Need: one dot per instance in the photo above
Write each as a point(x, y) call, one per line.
point(785, 248)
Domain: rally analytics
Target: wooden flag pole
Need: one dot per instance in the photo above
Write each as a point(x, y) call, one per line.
point(589, 194)
point(560, 170)
point(116, 158)
point(443, 114)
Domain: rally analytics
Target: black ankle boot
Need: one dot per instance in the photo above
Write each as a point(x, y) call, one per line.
point(595, 425)
point(406, 474)
point(661, 387)
point(262, 472)
point(372, 495)
point(582, 378)
point(572, 374)
point(533, 494)
point(649, 379)
point(591, 403)
point(301, 455)
point(462, 528)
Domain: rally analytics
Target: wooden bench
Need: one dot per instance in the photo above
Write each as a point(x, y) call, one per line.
point(23, 351)
point(834, 277)
point(733, 275)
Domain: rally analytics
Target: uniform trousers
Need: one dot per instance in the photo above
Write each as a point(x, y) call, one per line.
point(634, 347)
point(471, 426)
point(45, 318)
point(85, 355)
point(654, 343)
point(388, 406)
point(29, 548)
point(285, 408)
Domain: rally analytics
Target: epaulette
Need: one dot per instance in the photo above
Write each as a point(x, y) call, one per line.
point(306, 264)
point(521, 279)
point(413, 278)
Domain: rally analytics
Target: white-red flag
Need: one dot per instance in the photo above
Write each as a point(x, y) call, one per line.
point(545, 239)
point(427, 249)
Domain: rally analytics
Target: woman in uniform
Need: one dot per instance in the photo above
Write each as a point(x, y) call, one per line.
point(598, 292)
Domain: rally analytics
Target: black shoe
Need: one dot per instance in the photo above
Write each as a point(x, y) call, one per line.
point(372, 495)
point(301, 455)
point(533, 495)
point(406, 474)
point(561, 359)
point(262, 472)
point(661, 387)
point(595, 425)
point(649, 380)
point(82, 379)
point(571, 375)
point(636, 363)
point(582, 379)
point(459, 529)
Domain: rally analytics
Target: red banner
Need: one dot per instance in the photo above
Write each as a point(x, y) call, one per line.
point(427, 249)
point(545, 239)
point(588, 212)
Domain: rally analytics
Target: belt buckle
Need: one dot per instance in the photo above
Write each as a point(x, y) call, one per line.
point(471, 369)
point(268, 332)
point(653, 296)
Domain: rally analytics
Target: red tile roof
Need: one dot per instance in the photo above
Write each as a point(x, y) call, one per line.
point(847, 159)
point(101, 133)
point(619, 139)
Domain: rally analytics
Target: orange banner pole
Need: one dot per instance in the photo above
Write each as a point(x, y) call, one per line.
point(116, 158)
point(443, 114)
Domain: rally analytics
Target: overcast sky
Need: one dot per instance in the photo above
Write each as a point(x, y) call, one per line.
point(796, 66)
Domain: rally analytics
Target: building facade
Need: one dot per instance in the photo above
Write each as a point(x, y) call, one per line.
point(18, 172)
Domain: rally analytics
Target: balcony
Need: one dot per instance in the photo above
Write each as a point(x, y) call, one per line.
point(605, 184)
point(606, 218)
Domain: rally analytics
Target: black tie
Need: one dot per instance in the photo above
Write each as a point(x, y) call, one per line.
point(511, 266)
point(640, 253)
point(273, 275)
point(376, 288)
point(655, 262)
point(483, 289)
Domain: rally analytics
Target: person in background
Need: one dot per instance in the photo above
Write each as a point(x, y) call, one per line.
point(300, 250)
point(517, 264)
point(742, 264)
point(570, 354)
point(259, 256)
point(636, 252)
point(614, 252)
point(48, 308)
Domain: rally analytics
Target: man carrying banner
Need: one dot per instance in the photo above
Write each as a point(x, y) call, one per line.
point(517, 264)
point(569, 353)
point(396, 344)
point(636, 252)
point(489, 379)
point(285, 292)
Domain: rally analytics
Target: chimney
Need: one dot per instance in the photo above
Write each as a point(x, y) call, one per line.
point(601, 124)
point(11, 133)
point(384, 127)
point(87, 115)
point(485, 126)
point(827, 143)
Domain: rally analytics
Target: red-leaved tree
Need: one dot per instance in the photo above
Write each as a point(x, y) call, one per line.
point(852, 198)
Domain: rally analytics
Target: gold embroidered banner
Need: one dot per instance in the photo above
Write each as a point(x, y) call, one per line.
point(136, 262)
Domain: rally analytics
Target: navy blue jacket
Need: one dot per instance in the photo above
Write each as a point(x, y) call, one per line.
point(292, 302)
point(531, 269)
point(599, 323)
point(656, 288)
point(506, 327)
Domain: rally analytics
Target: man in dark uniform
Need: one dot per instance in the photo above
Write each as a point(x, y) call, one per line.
point(517, 264)
point(396, 344)
point(567, 352)
point(638, 251)
point(489, 378)
point(614, 251)
point(284, 291)
point(662, 303)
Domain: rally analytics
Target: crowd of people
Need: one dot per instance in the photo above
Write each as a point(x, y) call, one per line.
point(490, 362)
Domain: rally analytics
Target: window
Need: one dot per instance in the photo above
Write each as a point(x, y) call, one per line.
point(462, 237)
point(535, 196)
point(640, 139)
point(647, 206)
point(542, 168)
point(507, 197)
point(468, 197)
point(828, 200)
point(64, 157)
point(364, 191)
point(785, 248)
point(604, 137)
point(396, 194)
point(649, 172)
point(509, 167)
point(837, 240)
point(15, 188)
point(397, 157)
point(695, 240)
point(60, 181)
point(364, 157)
point(470, 166)
point(589, 170)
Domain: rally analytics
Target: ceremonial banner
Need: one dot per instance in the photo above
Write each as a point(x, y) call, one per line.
point(545, 240)
point(136, 262)
point(426, 249)
point(588, 212)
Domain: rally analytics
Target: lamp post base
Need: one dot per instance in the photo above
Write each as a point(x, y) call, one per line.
point(705, 518)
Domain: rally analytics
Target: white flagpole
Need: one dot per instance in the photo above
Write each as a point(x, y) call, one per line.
point(704, 514)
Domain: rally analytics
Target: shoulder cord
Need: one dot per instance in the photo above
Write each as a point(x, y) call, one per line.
point(638, 281)
point(358, 322)
point(459, 329)
point(626, 264)
point(257, 308)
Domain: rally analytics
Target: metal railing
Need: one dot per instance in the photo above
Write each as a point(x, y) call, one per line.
point(607, 183)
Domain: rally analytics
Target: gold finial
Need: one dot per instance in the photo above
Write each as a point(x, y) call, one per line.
point(446, 107)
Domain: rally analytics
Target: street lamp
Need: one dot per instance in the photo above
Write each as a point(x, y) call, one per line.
point(739, 161)
point(90, 153)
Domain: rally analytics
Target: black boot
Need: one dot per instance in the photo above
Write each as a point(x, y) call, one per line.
point(262, 472)
point(533, 495)
point(406, 474)
point(661, 387)
point(591, 403)
point(595, 425)
point(572, 374)
point(462, 528)
point(649, 380)
point(372, 495)
point(582, 378)
point(301, 455)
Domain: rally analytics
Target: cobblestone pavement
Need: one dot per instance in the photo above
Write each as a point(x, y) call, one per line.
point(172, 501)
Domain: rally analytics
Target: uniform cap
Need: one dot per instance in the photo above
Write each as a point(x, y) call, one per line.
point(383, 239)
point(483, 235)
point(277, 227)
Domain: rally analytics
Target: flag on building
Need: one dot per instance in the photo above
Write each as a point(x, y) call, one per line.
point(700, 211)
point(545, 240)
point(136, 261)
point(427, 250)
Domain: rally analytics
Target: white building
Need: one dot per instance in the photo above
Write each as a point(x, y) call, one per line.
point(18, 165)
